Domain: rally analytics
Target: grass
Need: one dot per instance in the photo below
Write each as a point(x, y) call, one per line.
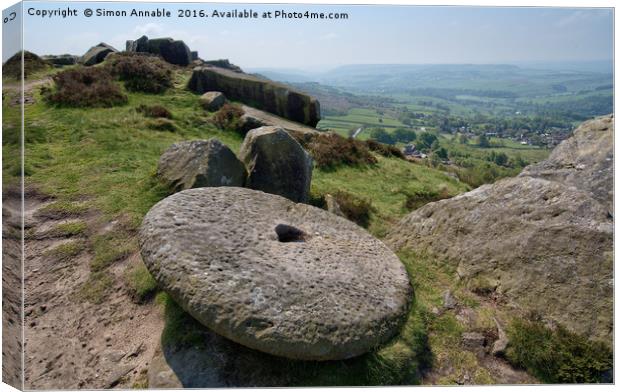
point(430, 278)
point(386, 184)
point(180, 330)
point(111, 247)
point(358, 117)
point(556, 356)
point(108, 154)
point(66, 251)
point(141, 284)
point(63, 209)
point(96, 288)
point(69, 229)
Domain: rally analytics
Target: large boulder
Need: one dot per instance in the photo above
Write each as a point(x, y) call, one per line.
point(276, 163)
point(543, 240)
point(212, 100)
point(200, 163)
point(266, 95)
point(173, 51)
point(287, 279)
point(96, 54)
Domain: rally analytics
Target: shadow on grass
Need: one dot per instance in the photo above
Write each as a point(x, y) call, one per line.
point(200, 358)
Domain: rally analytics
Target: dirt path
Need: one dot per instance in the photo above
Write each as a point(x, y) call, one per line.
point(13, 89)
point(72, 343)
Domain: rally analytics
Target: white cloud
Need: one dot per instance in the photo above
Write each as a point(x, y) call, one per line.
point(148, 29)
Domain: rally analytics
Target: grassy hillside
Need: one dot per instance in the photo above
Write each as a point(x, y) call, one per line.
point(103, 160)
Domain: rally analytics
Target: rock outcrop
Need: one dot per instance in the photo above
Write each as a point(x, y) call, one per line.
point(172, 51)
point(332, 292)
point(276, 163)
point(96, 54)
point(255, 118)
point(212, 100)
point(61, 59)
point(200, 163)
point(139, 45)
point(266, 95)
point(223, 63)
point(544, 239)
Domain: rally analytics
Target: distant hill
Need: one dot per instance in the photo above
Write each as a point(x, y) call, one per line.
point(479, 79)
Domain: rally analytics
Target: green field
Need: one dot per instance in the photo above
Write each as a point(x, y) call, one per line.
point(359, 117)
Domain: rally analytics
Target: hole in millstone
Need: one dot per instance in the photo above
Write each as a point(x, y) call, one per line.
point(287, 233)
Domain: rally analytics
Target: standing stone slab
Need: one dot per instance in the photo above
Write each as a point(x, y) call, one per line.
point(333, 292)
point(200, 163)
point(276, 163)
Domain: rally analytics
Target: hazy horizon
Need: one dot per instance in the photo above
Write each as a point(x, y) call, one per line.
point(371, 34)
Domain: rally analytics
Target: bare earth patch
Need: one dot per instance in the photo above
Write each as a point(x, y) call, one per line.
point(72, 342)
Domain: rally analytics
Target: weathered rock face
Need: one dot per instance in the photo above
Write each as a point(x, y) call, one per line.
point(543, 239)
point(174, 52)
point(333, 292)
point(97, 54)
point(584, 161)
point(212, 100)
point(200, 163)
point(276, 163)
point(273, 97)
point(223, 63)
point(139, 45)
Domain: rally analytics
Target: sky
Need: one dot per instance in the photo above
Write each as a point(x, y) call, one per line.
point(370, 34)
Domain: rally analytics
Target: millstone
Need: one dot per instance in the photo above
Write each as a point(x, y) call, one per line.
point(284, 278)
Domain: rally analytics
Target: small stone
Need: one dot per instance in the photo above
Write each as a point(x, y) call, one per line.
point(449, 302)
point(499, 346)
point(474, 341)
point(212, 100)
point(332, 205)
